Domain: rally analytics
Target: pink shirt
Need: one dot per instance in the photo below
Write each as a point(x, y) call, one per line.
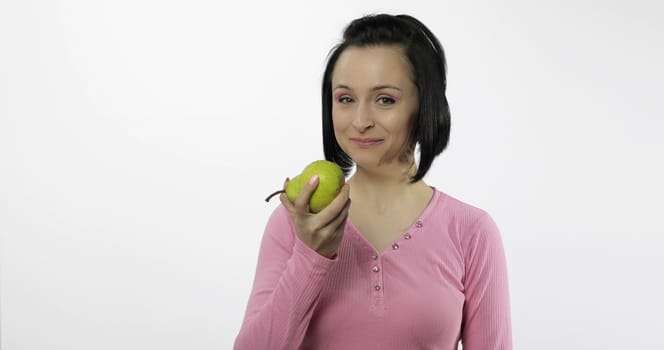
point(443, 281)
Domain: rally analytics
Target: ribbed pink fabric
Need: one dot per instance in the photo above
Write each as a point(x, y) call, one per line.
point(443, 281)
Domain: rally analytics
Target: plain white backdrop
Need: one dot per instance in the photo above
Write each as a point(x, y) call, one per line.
point(138, 140)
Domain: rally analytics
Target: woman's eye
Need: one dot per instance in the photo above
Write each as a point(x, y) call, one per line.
point(344, 99)
point(385, 100)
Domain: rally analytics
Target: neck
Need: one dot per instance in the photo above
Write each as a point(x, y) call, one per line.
point(386, 187)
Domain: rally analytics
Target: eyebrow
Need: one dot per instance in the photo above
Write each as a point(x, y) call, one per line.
point(377, 87)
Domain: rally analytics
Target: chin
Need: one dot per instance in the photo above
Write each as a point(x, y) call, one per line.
point(364, 161)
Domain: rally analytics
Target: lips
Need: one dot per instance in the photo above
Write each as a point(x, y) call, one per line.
point(365, 143)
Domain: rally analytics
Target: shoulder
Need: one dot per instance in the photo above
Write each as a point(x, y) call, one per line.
point(453, 210)
point(465, 221)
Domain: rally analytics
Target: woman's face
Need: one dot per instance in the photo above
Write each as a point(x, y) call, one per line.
point(374, 98)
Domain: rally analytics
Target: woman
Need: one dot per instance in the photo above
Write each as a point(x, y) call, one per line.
point(406, 266)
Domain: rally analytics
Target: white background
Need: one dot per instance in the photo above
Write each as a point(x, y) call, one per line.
point(138, 140)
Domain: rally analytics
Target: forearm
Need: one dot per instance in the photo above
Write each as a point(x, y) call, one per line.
point(278, 315)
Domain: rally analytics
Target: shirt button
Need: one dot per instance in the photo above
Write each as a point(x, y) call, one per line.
point(418, 224)
point(407, 236)
point(375, 269)
point(377, 287)
point(395, 246)
point(374, 257)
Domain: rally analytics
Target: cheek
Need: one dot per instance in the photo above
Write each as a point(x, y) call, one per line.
point(396, 120)
point(339, 120)
point(336, 125)
point(335, 122)
point(406, 117)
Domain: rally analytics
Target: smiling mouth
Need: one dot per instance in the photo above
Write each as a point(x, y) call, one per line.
point(366, 143)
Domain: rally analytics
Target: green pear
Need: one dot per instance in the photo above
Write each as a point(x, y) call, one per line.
point(294, 187)
point(330, 180)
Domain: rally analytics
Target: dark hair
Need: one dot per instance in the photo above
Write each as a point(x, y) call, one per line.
point(423, 50)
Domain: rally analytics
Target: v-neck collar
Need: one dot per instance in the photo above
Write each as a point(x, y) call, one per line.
point(410, 232)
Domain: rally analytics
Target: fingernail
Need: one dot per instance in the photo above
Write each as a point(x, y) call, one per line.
point(313, 179)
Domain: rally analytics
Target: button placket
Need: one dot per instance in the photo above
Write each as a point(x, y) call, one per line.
point(377, 277)
point(407, 236)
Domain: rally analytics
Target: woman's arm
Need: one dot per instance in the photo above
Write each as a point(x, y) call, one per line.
point(288, 281)
point(486, 312)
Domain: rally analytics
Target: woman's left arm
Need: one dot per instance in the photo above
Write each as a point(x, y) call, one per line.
point(486, 311)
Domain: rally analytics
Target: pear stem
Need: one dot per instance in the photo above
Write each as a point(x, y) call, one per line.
point(273, 194)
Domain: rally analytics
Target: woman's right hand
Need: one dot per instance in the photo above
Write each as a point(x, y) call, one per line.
point(324, 230)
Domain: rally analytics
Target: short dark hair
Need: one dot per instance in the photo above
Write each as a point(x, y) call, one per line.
point(424, 52)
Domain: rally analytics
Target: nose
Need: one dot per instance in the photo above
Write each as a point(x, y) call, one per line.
point(363, 119)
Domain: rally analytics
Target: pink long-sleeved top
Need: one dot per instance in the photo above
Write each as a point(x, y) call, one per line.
point(444, 280)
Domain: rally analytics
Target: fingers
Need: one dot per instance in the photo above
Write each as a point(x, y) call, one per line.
point(302, 200)
point(284, 198)
point(301, 204)
point(321, 231)
point(340, 220)
point(334, 208)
